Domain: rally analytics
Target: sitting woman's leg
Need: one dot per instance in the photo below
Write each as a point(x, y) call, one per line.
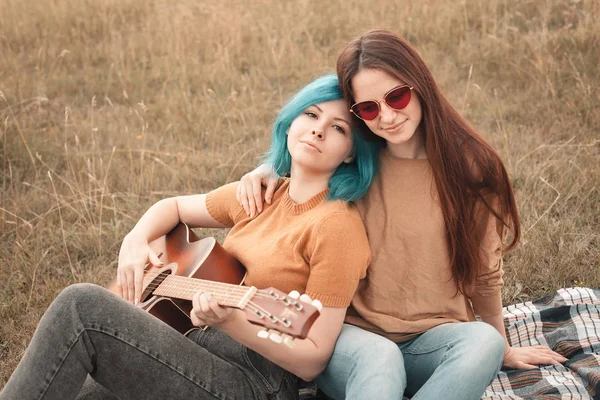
point(453, 361)
point(88, 330)
point(92, 390)
point(363, 366)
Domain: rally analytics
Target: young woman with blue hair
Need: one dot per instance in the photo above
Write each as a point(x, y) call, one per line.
point(310, 240)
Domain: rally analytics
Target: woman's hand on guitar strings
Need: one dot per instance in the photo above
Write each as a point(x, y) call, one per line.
point(134, 255)
point(278, 337)
point(207, 311)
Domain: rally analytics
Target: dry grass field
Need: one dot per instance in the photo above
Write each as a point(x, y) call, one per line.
point(106, 106)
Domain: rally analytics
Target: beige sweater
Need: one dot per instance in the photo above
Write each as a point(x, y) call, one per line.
point(318, 247)
point(409, 286)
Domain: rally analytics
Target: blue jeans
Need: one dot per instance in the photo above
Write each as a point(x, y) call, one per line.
point(88, 331)
point(449, 361)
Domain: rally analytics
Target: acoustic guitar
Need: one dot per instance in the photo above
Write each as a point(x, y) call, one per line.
point(191, 264)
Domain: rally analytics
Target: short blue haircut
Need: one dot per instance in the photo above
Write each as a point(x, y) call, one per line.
point(351, 180)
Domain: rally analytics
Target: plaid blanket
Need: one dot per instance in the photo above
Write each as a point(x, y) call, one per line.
point(568, 321)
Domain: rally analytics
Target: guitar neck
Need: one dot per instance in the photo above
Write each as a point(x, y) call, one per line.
point(181, 287)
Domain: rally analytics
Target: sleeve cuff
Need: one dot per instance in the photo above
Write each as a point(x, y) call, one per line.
point(487, 306)
point(330, 301)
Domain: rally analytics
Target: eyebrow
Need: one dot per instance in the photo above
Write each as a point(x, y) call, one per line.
point(336, 118)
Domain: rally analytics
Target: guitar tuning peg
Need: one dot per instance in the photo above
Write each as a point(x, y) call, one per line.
point(317, 304)
point(263, 334)
point(289, 342)
point(275, 337)
point(305, 298)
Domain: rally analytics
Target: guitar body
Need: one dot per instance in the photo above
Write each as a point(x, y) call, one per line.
point(185, 255)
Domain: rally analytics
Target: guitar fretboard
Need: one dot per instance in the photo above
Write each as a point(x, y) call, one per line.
point(181, 287)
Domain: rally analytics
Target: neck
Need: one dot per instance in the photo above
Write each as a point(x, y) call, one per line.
point(414, 148)
point(305, 184)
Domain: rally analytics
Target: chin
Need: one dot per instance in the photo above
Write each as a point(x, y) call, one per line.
point(404, 136)
point(396, 138)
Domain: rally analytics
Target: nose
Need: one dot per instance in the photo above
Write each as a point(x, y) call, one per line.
point(318, 134)
point(387, 113)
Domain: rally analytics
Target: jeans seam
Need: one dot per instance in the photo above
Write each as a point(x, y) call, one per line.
point(425, 350)
point(260, 375)
point(61, 363)
point(348, 356)
point(171, 367)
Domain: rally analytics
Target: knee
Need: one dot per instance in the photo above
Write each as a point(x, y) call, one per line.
point(365, 353)
point(487, 338)
point(379, 354)
point(377, 362)
point(486, 344)
point(367, 349)
point(364, 360)
point(78, 291)
point(80, 295)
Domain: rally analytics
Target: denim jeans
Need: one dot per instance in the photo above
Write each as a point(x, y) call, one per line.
point(450, 361)
point(133, 355)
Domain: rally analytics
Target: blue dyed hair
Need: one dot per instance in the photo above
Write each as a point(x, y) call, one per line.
point(351, 180)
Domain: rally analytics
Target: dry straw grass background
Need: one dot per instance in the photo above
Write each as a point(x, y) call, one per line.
point(109, 105)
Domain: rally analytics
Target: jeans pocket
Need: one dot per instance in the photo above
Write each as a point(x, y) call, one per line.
point(274, 378)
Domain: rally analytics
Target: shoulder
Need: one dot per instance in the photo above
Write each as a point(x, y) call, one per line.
point(339, 218)
point(330, 209)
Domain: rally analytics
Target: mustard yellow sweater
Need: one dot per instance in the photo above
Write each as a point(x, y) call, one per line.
point(318, 247)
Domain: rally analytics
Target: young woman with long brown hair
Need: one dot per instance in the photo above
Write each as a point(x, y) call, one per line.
point(437, 216)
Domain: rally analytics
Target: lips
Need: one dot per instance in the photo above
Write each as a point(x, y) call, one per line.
point(311, 145)
point(396, 127)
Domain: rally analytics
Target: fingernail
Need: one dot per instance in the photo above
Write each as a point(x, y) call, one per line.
point(208, 297)
point(136, 301)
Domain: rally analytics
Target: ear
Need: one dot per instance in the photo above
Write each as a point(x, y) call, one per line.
point(348, 159)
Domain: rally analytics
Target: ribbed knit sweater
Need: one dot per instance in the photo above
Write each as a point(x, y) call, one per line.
point(409, 286)
point(318, 247)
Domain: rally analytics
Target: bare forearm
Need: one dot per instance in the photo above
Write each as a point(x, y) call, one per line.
point(163, 216)
point(160, 219)
point(305, 359)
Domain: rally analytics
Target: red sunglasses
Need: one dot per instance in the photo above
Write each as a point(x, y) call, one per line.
point(397, 98)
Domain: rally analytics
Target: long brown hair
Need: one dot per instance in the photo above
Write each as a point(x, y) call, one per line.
point(466, 169)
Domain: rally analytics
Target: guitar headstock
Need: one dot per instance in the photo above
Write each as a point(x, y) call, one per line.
point(274, 309)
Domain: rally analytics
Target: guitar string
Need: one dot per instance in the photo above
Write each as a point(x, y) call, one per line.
point(250, 305)
point(216, 287)
point(190, 289)
point(165, 273)
point(187, 289)
point(230, 287)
